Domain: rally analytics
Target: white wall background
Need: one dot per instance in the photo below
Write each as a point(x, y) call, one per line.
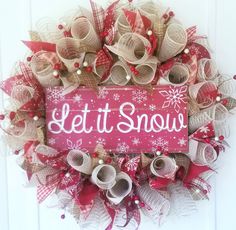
point(18, 207)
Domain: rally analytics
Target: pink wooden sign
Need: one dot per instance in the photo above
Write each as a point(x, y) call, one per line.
point(123, 119)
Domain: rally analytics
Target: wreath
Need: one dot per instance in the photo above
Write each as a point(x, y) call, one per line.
point(125, 44)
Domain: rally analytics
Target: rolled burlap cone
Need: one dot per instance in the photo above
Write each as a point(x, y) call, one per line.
point(20, 95)
point(120, 73)
point(121, 189)
point(216, 113)
point(163, 166)
point(83, 30)
point(122, 26)
point(70, 51)
point(173, 43)
point(80, 161)
point(178, 75)
point(146, 72)
point(43, 70)
point(206, 154)
point(104, 176)
point(132, 47)
point(203, 93)
point(207, 70)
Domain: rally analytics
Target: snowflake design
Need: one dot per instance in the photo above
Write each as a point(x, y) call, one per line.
point(77, 98)
point(152, 107)
point(159, 142)
point(204, 129)
point(139, 96)
point(122, 147)
point(174, 97)
point(132, 164)
point(101, 141)
point(51, 141)
point(182, 142)
point(71, 145)
point(136, 141)
point(116, 97)
point(18, 81)
point(102, 93)
point(55, 96)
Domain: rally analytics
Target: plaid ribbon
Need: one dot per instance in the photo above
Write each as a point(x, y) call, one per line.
point(36, 46)
point(44, 191)
point(98, 15)
point(191, 32)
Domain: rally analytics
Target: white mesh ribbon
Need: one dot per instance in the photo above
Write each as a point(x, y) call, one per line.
point(150, 10)
point(182, 203)
point(83, 30)
point(70, 51)
point(80, 161)
point(207, 70)
point(98, 218)
point(121, 188)
point(163, 166)
point(46, 150)
point(120, 73)
point(203, 93)
point(69, 86)
point(228, 87)
point(48, 30)
point(146, 71)
point(132, 47)
point(173, 43)
point(122, 25)
point(216, 113)
point(104, 176)
point(43, 69)
point(201, 153)
point(25, 130)
point(20, 95)
point(158, 206)
point(178, 75)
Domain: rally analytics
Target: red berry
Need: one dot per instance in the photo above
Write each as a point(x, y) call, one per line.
point(171, 14)
point(2, 116)
point(159, 148)
point(17, 152)
point(76, 65)
point(142, 204)
point(94, 155)
point(224, 101)
point(132, 68)
point(165, 16)
point(205, 191)
point(221, 138)
point(136, 72)
point(57, 66)
point(60, 27)
point(29, 59)
point(135, 197)
point(12, 115)
point(166, 153)
point(234, 77)
point(89, 69)
point(67, 34)
point(108, 160)
point(31, 114)
point(63, 216)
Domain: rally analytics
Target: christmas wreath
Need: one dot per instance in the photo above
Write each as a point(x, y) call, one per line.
point(125, 46)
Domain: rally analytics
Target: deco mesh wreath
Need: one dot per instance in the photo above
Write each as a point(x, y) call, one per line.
point(139, 55)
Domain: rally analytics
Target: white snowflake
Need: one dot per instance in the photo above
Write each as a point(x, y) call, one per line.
point(116, 97)
point(152, 107)
point(77, 98)
point(182, 142)
point(55, 96)
point(122, 147)
point(204, 129)
point(174, 97)
point(139, 96)
point(51, 141)
point(71, 145)
point(159, 142)
point(102, 93)
point(136, 141)
point(101, 141)
point(132, 164)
